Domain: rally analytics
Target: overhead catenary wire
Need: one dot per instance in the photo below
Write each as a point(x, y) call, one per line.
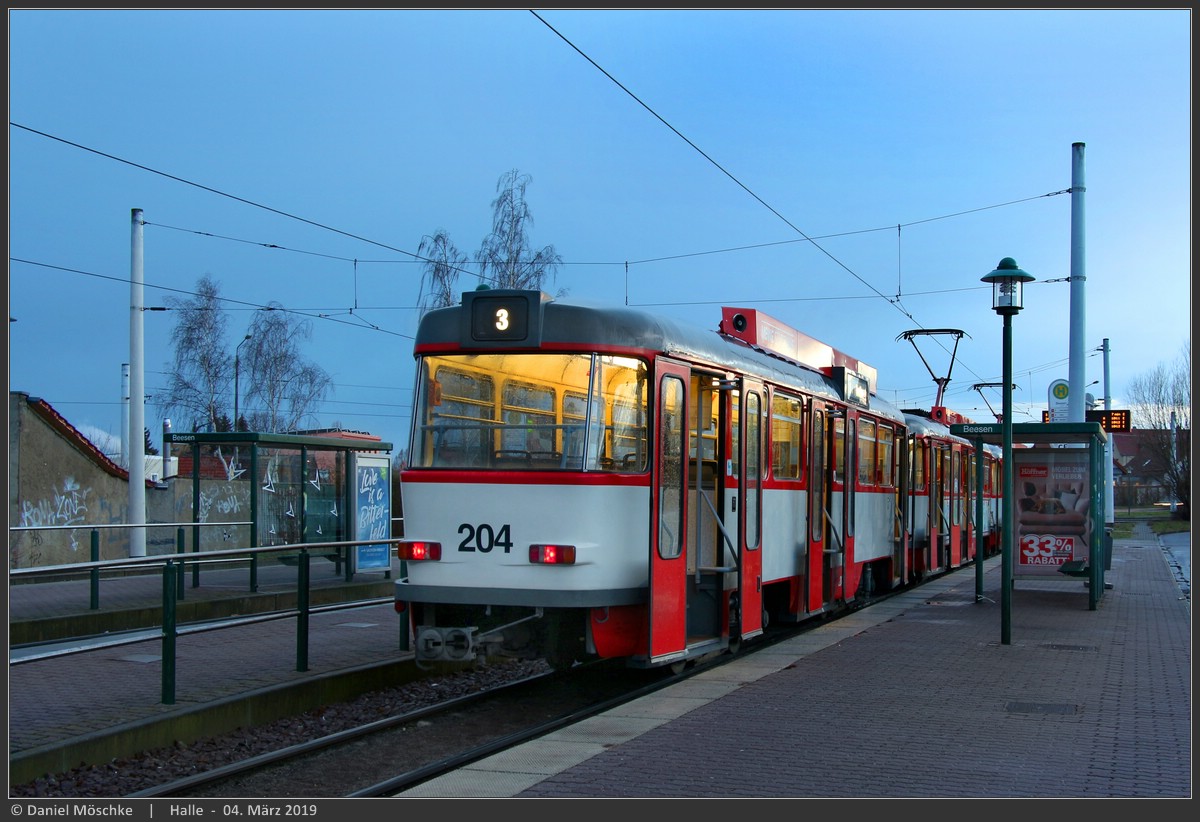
point(416, 258)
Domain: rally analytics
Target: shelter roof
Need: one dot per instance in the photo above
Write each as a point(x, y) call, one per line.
point(1033, 433)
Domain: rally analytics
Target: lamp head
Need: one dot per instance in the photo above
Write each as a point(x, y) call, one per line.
point(1006, 281)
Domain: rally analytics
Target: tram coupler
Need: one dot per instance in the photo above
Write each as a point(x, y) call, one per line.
point(446, 644)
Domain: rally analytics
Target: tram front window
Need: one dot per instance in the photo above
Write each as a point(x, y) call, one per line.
point(530, 412)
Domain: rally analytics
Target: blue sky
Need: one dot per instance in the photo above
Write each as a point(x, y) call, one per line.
point(853, 173)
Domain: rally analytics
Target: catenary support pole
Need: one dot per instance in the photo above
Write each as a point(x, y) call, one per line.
point(137, 397)
point(1109, 514)
point(1077, 368)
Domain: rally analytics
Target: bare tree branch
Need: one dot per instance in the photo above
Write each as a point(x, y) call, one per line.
point(1161, 403)
point(201, 374)
point(283, 387)
point(505, 257)
point(443, 264)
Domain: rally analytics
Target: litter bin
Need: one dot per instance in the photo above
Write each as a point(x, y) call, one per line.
point(1107, 545)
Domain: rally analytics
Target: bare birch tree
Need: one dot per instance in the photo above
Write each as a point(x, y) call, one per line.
point(283, 387)
point(279, 387)
point(443, 263)
point(200, 375)
point(506, 257)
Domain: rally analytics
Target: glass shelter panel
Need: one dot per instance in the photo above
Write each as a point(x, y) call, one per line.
point(280, 496)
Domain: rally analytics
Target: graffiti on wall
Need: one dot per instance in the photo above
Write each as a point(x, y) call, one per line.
point(67, 506)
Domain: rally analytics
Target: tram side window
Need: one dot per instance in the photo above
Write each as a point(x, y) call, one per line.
point(885, 471)
point(575, 417)
point(673, 485)
point(735, 435)
point(625, 384)
point(460, 420)
point(839, 450)
point(866, 452)
point(918, 461)
point(956, 486)
point(629, 437)
point(786, 436)
point(528, 420)
point(702, 416)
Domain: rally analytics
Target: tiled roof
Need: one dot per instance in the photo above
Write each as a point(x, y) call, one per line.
point(72, 434)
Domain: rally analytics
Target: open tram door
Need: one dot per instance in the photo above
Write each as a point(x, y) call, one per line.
point(749, 446)
point(827, 514)
point(934, 514)
point(668, 515)
point(957, 492)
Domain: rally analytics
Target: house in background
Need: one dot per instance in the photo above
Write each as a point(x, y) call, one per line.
point(1139, 468)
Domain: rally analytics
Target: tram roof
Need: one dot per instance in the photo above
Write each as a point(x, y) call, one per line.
point(578, 323)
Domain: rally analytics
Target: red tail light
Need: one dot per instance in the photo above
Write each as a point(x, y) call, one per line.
point(418, 550)
point(552, 554)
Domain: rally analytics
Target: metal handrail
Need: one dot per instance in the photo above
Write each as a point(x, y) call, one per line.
point(172, 589)
point(183, 556)
point(118, 525)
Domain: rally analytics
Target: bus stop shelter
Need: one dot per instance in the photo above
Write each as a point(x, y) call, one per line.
point(1058, 512)
point(282, 489)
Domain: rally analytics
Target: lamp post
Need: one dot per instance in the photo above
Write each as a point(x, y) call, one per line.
point(1007, 281)
point(236, 368)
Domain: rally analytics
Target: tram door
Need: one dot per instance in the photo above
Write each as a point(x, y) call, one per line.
point(902, 533)
point(938, 521)
point(956, 492)
point(751, 443)
point(668, 515)
point(916, 523)
point(826, 516)
point(971, 536)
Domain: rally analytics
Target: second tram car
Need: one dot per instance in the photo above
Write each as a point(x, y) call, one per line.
point(592, 481)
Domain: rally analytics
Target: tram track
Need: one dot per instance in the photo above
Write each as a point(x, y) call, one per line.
point(389, 756)
point(364, 761)
point(427, 736)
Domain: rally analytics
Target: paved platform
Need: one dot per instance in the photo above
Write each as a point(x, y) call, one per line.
point(106, 700)
point(914, 697)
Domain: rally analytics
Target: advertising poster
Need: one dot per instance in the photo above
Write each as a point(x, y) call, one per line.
point(1052, 508)
point(372, 513)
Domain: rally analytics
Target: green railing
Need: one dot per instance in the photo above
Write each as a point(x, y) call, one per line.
point(171, 568)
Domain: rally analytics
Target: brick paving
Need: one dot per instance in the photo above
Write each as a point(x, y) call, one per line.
point(1081, 703)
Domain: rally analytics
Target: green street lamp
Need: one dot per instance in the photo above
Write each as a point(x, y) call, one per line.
point(1007, 281)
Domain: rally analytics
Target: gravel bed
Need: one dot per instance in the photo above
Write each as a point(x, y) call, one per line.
point(122, 777)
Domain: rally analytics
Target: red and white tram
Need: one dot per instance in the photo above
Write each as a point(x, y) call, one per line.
point(595, 481)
